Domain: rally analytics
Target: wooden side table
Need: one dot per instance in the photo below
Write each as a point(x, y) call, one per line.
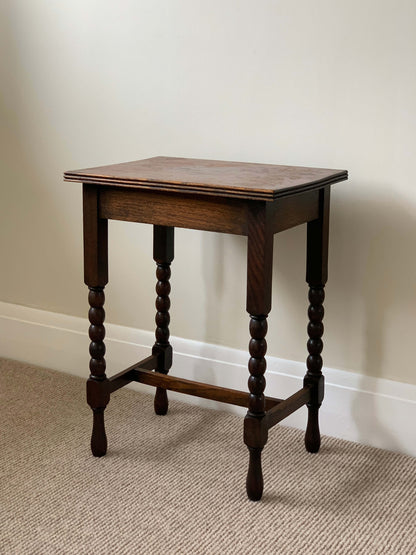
point(255, 200)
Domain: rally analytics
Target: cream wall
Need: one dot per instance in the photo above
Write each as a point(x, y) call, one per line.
point(320, 83)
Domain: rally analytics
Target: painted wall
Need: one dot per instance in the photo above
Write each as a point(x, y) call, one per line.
point(321, 83)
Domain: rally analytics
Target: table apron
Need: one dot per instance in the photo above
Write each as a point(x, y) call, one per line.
point(207, 214)
point(223, 215)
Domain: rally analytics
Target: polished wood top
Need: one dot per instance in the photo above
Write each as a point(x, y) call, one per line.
point(210, 177)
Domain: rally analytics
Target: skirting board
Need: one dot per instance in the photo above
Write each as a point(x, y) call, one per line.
point(370, 411)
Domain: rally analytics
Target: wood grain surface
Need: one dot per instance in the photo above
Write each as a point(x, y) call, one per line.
point(231, 179)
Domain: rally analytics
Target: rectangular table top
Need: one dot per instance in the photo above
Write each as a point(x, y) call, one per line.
point(212, 177)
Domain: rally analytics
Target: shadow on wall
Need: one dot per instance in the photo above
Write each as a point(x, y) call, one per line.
point(225, 280)
point(225, 289)
point(375, 266)
point(371, 301)
point(223, 286)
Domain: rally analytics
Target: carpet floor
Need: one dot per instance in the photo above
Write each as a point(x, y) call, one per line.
point(176, 484)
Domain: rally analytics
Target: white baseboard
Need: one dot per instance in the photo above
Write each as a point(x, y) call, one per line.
point(371, 411)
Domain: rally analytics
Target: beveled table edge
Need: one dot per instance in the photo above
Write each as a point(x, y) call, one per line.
point(183, 188)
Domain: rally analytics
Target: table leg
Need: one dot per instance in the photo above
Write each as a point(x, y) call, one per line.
point(96, 277)
point(316, 277)
point(259, 281)
point(98, 394)
point(163, 253)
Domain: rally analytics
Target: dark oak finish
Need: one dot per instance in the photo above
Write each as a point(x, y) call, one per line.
point(98, 393)
point(206, 214)
point(197, 389)
point(95, 240)
point(125, 377)
point(217, 177)
point(163, 253)
point(277, 413)
point(316, 276)
point(293, 210)
point(255, 430)
point(96, 277)
point(259, 301)
point(255, 200)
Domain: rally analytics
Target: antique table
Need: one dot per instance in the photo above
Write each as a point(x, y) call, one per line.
point(256, 200)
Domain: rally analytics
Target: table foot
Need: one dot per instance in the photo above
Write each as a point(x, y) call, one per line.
point(313, 435)
point(161, 402)
point(254, 483)
point(98, 437)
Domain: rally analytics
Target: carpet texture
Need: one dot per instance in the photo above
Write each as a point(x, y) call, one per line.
point(175, 484)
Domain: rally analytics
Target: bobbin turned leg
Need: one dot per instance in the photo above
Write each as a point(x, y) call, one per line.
point(163, 252)
point(316, 277)
point(96, 277)
point(98, 393)
point(259, 279)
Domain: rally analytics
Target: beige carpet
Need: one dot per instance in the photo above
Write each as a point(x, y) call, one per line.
point(175, 484)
